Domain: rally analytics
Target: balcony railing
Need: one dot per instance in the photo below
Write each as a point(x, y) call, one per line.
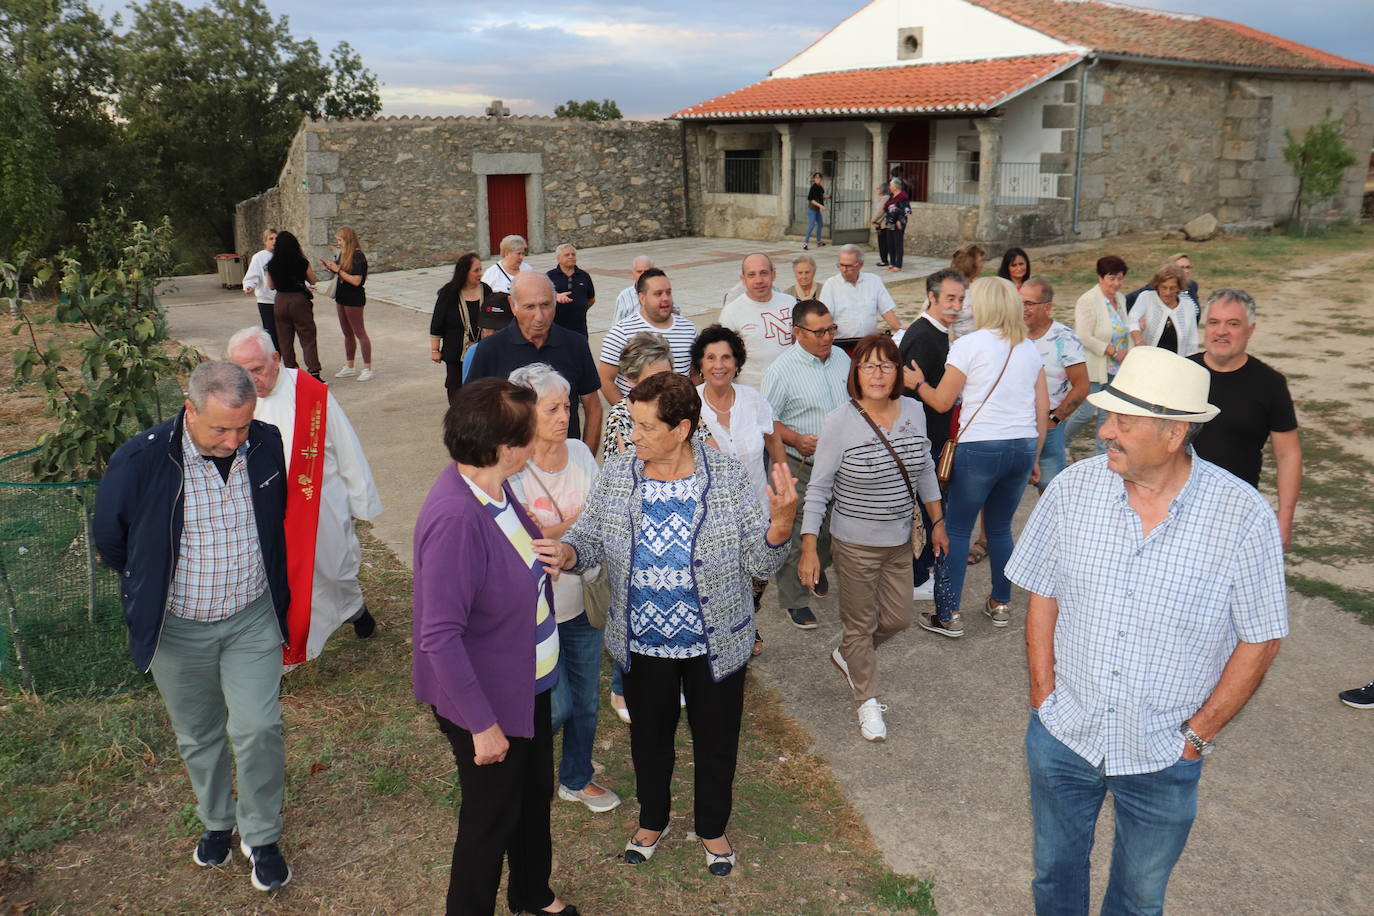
point(957, 182)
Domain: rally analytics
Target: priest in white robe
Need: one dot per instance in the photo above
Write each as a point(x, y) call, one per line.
point(346, 490)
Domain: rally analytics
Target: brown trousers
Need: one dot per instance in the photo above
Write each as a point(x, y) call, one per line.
point(875, 605)
point(295, 317)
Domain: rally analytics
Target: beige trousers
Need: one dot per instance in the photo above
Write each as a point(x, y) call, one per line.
point(875, 605)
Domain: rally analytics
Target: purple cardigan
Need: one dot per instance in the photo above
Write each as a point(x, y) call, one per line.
point(473, 630)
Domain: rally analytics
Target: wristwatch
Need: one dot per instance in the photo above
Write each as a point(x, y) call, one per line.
point(1056, 420)
point(1202, 747)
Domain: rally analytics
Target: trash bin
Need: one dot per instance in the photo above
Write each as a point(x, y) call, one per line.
point(230, 269)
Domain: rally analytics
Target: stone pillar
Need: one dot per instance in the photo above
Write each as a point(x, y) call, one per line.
point(877, 137)
point(989, 173)
point(787, 186)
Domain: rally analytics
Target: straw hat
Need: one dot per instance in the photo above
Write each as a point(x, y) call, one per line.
point(1158, 383)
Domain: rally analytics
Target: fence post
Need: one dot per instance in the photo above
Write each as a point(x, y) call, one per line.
point(88, 535)
point(12, 613)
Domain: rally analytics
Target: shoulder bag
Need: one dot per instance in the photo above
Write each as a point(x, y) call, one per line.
point(918, 528)
point(944, 469)
point(596, 586)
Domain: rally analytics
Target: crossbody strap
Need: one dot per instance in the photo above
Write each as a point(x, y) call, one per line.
point(537, 479)
point(964, 428)
point(906, 478)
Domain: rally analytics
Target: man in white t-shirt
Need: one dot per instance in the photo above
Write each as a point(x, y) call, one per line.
point(762, 317)
point(856, 299)
point(1066, 371)
point(655, 314)
point(255, 281)
point(627, 302)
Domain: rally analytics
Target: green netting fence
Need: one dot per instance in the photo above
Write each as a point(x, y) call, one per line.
point(63, 628)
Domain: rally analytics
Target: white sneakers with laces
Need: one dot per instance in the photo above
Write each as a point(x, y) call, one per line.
point(871, 724)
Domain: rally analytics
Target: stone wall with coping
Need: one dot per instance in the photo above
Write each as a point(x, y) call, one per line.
point(283, 207)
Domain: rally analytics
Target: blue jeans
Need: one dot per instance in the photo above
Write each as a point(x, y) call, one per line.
point(815, 219)
point(1052, 455)
point(1154, 812)
point(988, 476)
point(1085, 412)
point(575, 697)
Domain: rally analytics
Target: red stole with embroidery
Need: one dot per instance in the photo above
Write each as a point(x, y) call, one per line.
point(304, 477)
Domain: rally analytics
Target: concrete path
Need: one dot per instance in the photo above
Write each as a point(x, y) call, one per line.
point(1284, 802)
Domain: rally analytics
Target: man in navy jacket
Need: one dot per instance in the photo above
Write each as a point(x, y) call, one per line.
point(191, 514)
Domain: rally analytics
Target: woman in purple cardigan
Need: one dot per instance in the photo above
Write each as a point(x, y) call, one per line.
point(486, 651)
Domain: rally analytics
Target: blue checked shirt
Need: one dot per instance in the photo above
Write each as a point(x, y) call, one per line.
point(220, 567)
point(802, 390)
point(1146, 624)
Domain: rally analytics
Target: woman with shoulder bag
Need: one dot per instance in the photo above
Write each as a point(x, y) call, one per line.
point(453, 327)
point(350, 273)
point(873, 460)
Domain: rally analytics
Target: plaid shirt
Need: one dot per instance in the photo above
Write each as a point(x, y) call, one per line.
point(220, 569)
point(1146, 624)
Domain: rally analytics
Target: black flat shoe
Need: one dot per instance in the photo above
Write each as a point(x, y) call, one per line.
point(635, 854)
point(717, 864)
point(568, 910)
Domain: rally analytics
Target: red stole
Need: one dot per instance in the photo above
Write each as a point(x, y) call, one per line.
point(304, 478)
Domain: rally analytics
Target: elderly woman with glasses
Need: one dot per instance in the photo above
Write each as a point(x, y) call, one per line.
point(500, 277)
point(873, 469)
point(680, 533)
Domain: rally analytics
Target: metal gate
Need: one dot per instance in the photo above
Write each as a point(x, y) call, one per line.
point(853, 196)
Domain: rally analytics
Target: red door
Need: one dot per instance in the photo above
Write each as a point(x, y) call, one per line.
point(506, 208)
point(908, 149)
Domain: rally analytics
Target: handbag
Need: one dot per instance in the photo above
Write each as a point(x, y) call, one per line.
point(918, 528)
point(944, 468)
point(596, 585)
point(328, 287)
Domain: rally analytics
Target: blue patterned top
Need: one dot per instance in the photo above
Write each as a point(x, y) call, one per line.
point(665, 621)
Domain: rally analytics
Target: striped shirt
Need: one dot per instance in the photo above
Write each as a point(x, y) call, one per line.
point(871, 504)
point(803, 390)
point(219, 568)
point(545, 627)
point(680, 337)
point(1146, 624)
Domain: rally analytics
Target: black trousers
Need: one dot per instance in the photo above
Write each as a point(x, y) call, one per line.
point(269, 322)
point(453, 378)
point(882, 247)
point(714, 711)
point(896, 242)
point(504, 814)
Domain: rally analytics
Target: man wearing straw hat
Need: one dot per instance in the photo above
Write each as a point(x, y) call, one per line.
point(1157, 605)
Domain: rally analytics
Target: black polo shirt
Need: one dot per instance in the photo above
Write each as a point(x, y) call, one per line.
point(1254, 402)
point(573, 315)
point(567, 352)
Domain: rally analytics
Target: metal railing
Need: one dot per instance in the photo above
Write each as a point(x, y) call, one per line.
point(741, 174)
point(957, 182)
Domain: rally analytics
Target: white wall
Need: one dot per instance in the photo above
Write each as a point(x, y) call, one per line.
point(954, 30)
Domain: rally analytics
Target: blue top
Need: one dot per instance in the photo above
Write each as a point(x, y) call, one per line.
point(665, 619)
point(566, 351)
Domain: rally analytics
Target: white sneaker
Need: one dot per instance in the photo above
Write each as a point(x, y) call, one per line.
point(606, 801)
point(925, 591)
point(365, 375)
point(346, 372)
point(871, 724)
point(838, 661)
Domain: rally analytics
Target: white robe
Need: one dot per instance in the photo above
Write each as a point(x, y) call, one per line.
point(347, 492)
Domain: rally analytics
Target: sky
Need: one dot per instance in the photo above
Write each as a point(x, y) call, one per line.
point(656, 57)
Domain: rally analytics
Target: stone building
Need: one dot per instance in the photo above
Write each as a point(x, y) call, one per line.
point(1024, 121)
point(421, 191)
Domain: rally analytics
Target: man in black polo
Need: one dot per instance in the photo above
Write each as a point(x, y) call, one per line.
point(534, 338)
point(573, 289)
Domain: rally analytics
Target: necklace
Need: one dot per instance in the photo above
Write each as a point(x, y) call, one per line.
point(712, 405)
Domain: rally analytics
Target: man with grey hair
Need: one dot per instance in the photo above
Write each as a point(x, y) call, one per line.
point(574, 292)
point(190, 514)
point(761, 316)
point(856, 299)
point(322, 498)
point(1157, 605)
point(1254, 401)
point(627, 302)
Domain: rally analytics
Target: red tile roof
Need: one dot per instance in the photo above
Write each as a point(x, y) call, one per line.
point(1131, 30)
point(911, 89)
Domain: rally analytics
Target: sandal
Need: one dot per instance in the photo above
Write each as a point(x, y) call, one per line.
point(758, 644)
point(636, 854)
point(978, 552)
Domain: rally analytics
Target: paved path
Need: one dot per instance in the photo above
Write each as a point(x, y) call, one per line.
point(1285, 801)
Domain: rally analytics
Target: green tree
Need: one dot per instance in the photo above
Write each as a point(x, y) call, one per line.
point(28, 194)
point(1319, 161)
point(590, 110)
point(213, 96)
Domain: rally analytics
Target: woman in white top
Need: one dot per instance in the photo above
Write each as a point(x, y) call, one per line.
point(1164, 316)
point(553, 488)
point(501, 275)
point(738, 418)
point(1001, 430)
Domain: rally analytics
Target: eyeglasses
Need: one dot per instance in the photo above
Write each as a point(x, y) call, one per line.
point(819, 332)
point(843, 266)
point(877, 368)
point(1027, 302)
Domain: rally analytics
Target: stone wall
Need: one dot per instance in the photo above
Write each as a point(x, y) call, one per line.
point(415, 188)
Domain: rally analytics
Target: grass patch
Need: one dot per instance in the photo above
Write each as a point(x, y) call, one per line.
point(904, 893)
point(1358, 601)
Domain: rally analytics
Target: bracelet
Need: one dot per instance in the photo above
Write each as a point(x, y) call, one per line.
point(938, 521)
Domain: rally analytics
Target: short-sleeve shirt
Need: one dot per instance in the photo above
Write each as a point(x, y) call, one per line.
point(498, 279)
point(552, 497)
point(569, 354)
point(1010, 409)
point(680, 337)
point(802, 389)
point(816, 194)
point(856, 306)
point(1059, 348)
point(665, 619)
point(765, 328)
point(1146, 624)
point(1254, 402)
point(573, 315)
point(346, 293)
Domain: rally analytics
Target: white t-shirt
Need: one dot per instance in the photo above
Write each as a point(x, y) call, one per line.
point(496, 277)
point(680, 337)
point(255, 278)
point(1059, 348)
point(567, 490)
point(626, 303)
point(750, 418)
point(857, 306)
point(1010, 413)
point(765, 328)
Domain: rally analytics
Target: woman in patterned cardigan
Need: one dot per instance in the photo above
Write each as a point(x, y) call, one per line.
point(682, 610)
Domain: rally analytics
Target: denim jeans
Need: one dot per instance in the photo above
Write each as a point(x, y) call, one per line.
point(1085, 412)
point(575, 698)
point(1053, 455)
point(815, 219)
point(1154, 812)
point(988, 476)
